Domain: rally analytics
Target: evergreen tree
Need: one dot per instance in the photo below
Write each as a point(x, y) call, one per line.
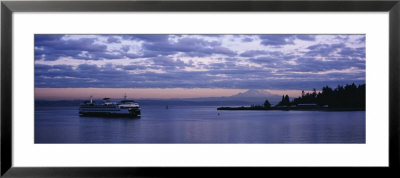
point(348, 96)
point(267, 104)
point(287, 100)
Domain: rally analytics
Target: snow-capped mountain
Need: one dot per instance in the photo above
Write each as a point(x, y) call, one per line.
point(257, 95)
point(253, 93)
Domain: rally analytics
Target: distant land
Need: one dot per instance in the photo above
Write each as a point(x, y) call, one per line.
point(252, 96)
point(342, 98)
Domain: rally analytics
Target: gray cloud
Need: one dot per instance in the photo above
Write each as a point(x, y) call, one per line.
point(162, 62)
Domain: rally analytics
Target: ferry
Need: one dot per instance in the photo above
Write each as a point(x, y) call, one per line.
point(107, 107)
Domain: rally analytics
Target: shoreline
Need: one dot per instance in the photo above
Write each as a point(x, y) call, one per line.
point(289, 109)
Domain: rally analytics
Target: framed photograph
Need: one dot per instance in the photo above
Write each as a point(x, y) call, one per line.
point(159, 88)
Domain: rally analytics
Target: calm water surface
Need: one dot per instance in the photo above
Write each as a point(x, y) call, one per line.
point(200, 124)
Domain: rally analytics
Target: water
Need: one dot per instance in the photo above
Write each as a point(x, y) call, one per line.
point(200, 124)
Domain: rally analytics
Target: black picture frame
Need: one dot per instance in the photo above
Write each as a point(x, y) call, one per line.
point(8, 7)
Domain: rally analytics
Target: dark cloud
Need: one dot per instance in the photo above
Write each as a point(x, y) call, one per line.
point(325, 50)
point(52, 47)
point(353, 52)
point(252, 53)
point(247, 39)
point(212, 35)
point(276, 40)
point(306, 37)
point(125, 48)
point(362, 39)
point(87, 67)
point(168, 63)
point(162, 63)
point(147, 38)
point(113, 40)
point(192, 47)
point(133, 67)
point(263, 60)
point(218, 76)
point(316, 65)
point(280, 40)
point(337, 51)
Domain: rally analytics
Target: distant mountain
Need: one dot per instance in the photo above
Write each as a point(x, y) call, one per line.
point(257, 95)
point(253, 93)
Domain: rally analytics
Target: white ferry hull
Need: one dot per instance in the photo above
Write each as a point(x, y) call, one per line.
point(121, 112)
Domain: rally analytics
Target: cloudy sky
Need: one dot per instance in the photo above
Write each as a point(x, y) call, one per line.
point(224, 64)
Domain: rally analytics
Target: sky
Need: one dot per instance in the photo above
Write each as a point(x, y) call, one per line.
point(194, 65)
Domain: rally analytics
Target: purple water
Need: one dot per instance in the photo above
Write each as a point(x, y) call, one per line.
point(200, 124)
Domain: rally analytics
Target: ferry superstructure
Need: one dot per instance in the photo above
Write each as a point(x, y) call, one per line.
point(107, 107)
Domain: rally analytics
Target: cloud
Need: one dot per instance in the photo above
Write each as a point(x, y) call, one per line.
point(113, 40)
point(276, 40)
point(252, 53)
point(247, 39)
point(147, 38)
point(306, 37)
point(315, 64)
point(280, 40)
point(196, 61)
point(326, 50)
point(188, 46)
point(217, 77)
point(52, 47)
point(264, 60)
point(353, 52)
point(132, 67)
point(168, 63)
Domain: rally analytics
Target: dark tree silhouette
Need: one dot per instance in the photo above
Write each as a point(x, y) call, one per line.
point(285, 101)
point(267, 104)
point(348, 96)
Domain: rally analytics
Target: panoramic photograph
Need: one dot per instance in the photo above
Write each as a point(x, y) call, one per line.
point(200, 88)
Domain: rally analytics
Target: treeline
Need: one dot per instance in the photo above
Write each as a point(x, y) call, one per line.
point(348, 96)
